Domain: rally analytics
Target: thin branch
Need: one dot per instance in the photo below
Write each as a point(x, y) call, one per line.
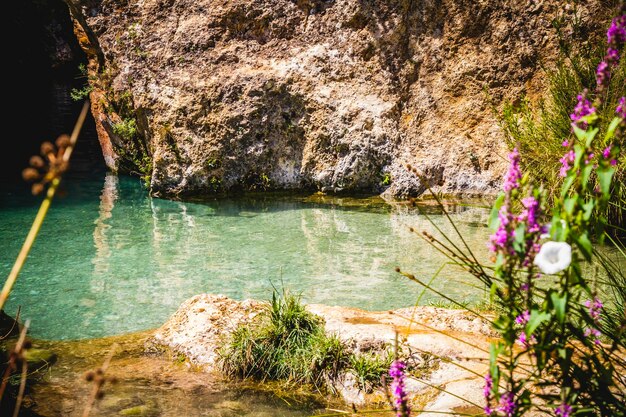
point(41, 214)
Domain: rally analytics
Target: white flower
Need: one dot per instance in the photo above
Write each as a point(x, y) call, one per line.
point(553, 257)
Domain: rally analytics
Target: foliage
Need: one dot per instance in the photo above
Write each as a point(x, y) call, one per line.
point(126, 129)
point(78, 94)
point(538, 130)
point(368, 368)
point(562, 325)
point(288, 343)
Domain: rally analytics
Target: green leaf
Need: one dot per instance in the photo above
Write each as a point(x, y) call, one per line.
point(588, 209)
point(519, 244)
point(586, 136)
point(494, 221)
point(536, 318)
point(558, 229)
point(570, 203)
point(559, 303)
point(567, 184)
point(494, 353)
point(605, 176)
point(610, 132)
point(591, 134)
point(586, 173)
point(580, 152)
point(581, 135)
point(584, 244)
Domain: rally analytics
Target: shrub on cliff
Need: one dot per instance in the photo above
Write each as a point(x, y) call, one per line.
point(539, 130)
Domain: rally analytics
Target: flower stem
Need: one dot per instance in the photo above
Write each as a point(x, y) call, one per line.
point(41, 214)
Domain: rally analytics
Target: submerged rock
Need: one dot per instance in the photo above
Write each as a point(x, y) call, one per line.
point(208, 96)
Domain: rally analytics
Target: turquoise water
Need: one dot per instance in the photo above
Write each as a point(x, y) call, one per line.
point(110, 259)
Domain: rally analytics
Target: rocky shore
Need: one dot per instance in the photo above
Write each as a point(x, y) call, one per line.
point(439, 339)
point(174, 370)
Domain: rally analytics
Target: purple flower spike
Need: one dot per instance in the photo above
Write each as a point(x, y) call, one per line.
point(567, 159)
point(583, 107)
point(501, 239)
point(621, 108)
point(523, 318)
point(507, 404)
point(401, 406)
point(595, 307)
point(603, 73)
point(488, 387)
point(617, 31)
point(514, 174)
point(530, 214)
point(563, 410)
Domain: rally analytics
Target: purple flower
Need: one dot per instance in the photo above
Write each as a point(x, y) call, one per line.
point(603, 73)
point(524, 341)
point(523, 318)
point(530, 215)
point(595, 307)
point(488, 387)
point(612, 55)
point(507, 404)
point(567, 159)
point(617, 31)
point(583, 107)
point(501, 239)
point(616, 36)
point(401, 406)
point(563, 410)
point(606, 152)
point(621, 108)
point(591, 331)
point(565, 143)
point(513, 175)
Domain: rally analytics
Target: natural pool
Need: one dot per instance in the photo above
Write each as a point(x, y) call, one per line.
point(110, 259)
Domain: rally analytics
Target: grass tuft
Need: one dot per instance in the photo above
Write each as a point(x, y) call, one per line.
point(287, 343)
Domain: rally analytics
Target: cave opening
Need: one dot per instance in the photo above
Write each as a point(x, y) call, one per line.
point(42, 61)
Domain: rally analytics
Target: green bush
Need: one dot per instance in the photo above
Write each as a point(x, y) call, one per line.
point(285, 343)
point(368, 368)
point(126, 129)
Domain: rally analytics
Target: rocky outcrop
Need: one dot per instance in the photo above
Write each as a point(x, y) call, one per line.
point(321, 94)
point(452, 344)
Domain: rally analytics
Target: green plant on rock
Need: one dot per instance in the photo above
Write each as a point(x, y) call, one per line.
point(368, 368)
point(78, 94)
point(285, 343)
point(385, 179)
point(126, 129)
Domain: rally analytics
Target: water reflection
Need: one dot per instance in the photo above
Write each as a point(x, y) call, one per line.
point(124, 261)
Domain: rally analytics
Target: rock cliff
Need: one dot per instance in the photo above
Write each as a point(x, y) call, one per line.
point(217, 95)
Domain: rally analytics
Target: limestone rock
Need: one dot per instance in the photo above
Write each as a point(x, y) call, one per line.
point(436, 338)
point(319, 94)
